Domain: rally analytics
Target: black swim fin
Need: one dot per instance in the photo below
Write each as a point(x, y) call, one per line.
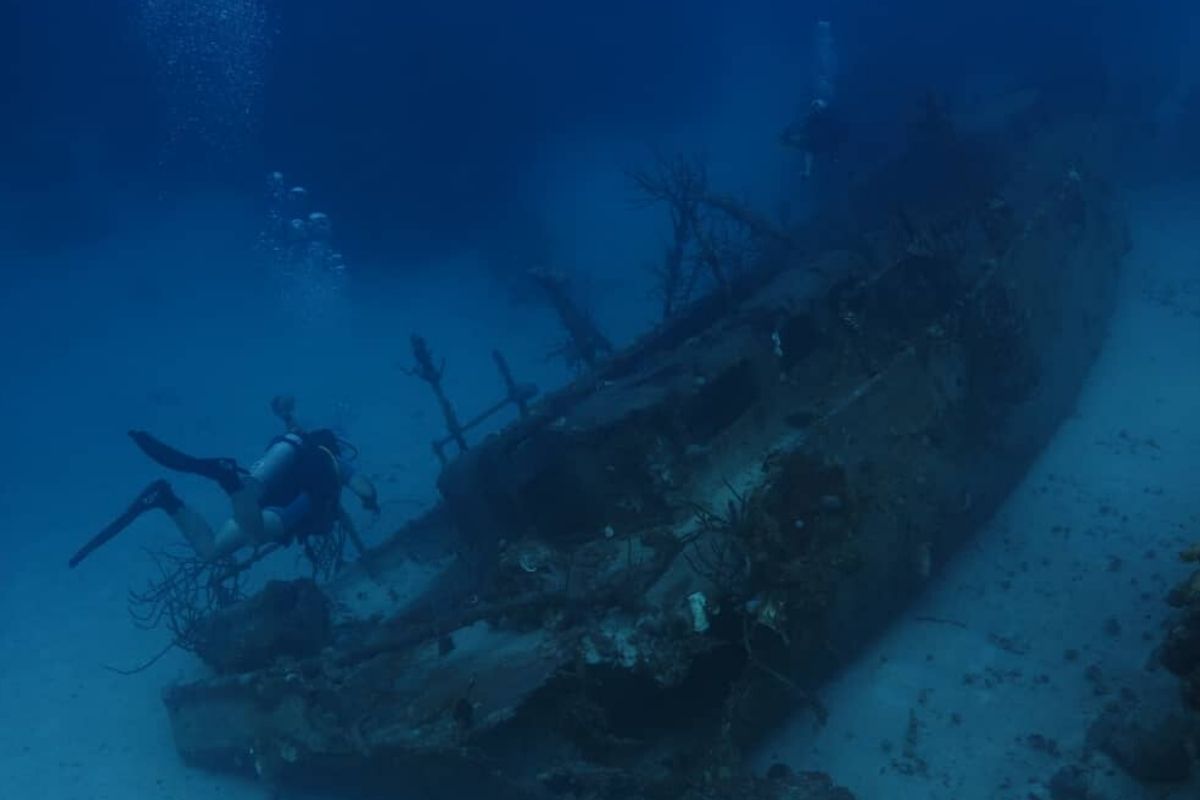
point(224, 471)
point(156, 495)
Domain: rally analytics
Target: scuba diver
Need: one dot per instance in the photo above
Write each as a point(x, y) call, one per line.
point(821, 131)
point(291, 493)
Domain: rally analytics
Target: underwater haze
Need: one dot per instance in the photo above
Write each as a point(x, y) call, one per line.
point(213, 212)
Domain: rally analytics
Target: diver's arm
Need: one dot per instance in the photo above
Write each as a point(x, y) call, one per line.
point(364, 557)
point(351, 532)
point(365, 491)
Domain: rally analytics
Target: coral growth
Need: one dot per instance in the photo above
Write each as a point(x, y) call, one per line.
point(1180, 652)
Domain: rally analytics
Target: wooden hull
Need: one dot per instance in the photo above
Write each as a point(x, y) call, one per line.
point(673, 552)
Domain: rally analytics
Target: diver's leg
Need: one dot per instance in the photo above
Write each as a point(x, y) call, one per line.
point(289, 518)
point(233, 536)
point(252, 525)
point(247, 511)
point(224, 471)
point(157, 495)
point(195, 528)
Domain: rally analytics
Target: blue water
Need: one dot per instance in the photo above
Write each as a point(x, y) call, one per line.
point(453, 146)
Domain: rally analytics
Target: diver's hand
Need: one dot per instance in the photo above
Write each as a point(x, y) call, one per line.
point(366, 492)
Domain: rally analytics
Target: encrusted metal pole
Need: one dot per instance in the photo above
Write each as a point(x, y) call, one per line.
point(516, 394)
point(426, 371)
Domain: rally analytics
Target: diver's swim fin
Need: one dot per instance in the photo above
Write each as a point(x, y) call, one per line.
point(156, 495)
point(224, 471)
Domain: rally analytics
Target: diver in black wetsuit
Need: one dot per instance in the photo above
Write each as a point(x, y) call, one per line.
point(820, 133)
point(291, 493)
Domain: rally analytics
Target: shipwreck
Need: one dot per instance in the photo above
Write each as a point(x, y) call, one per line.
point(623, 588)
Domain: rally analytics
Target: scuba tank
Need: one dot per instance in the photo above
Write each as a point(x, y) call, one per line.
point(826, 63)
point(278, 459)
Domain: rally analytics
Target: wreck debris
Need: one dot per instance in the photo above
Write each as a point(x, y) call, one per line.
point(585, 345)
point(285, 620)
point(432, 375)
point(711, 233)
point(679, 184)
point(186, 595)
point(518, 395)
point(657, 562)
point(698, 604)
